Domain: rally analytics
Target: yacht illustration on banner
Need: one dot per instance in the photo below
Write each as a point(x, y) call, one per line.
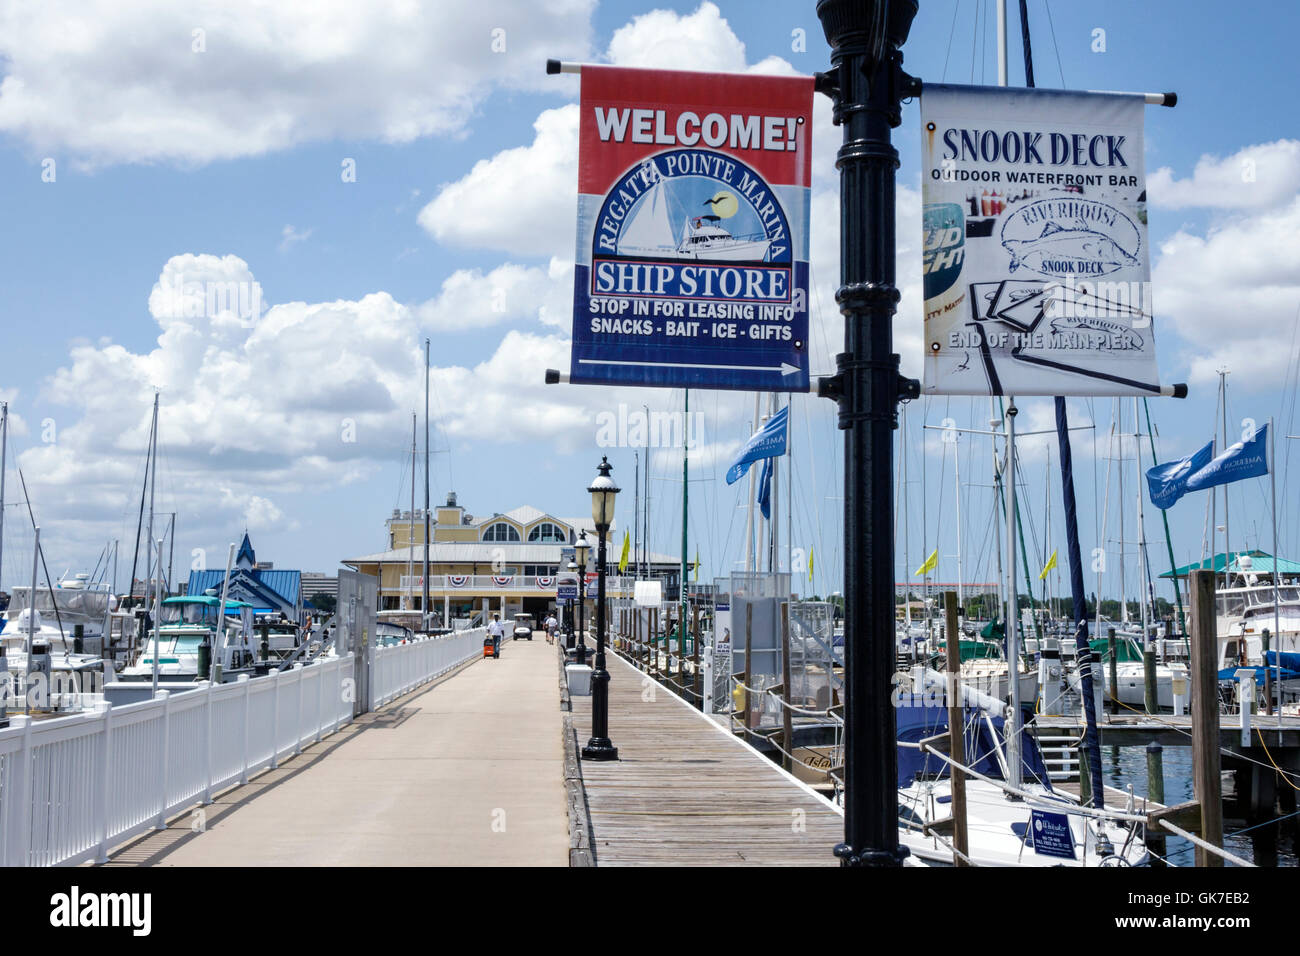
point(723, 226)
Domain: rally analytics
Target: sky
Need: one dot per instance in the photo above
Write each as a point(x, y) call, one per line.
point(374, 174)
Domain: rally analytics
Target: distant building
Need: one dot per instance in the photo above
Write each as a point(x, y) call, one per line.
point(269, 591)
point(506, 562)
point(315, 584)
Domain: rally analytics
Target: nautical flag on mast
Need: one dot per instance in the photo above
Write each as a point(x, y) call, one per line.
point(930, 563)
point(1051, 563)
point(767, 442)
point(1168, 482)
point(1247, 458)
point(622, 558)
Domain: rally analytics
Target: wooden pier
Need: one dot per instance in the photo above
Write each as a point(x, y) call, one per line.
point(685, 792)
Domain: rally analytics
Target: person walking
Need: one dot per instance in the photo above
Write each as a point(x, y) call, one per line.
point(551, 625)
point(496, 631)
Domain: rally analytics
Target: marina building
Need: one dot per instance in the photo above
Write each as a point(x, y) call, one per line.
point(506, 562)
point(268, 590)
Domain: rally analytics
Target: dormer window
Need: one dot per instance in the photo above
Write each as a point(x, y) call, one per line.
point(500, 531)
point(548, 533)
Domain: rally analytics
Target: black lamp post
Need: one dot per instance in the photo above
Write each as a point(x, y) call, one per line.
point(867, 84)
point(581, 548)
point(603, 491)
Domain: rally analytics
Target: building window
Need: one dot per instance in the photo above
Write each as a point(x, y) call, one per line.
point(500, 531)
point(390, 603)
point(538, 570)
point(549, 533)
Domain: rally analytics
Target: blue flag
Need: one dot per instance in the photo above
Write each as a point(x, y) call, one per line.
point(1168, 482)
point(765, 489)
point(768, 442)
point(1244, 459)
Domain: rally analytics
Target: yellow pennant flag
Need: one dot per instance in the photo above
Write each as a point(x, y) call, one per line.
point(696, 570)
point(1051, 563)
point(622, 559)
point(811, 553)
point(930, 563)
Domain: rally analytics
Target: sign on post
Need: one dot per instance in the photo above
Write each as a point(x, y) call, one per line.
point(693, 205)
point(1036, 265)
point(1050, 834)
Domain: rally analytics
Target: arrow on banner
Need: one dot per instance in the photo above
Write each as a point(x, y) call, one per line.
point(785, 368)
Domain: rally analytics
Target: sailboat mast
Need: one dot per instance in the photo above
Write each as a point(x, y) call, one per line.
point(4, 451)
point(774, 525)
point(151, 468)
point(956, 474)
point(410, 531)
point(686, 430)
point(1123, 589)
point(902, 513)
point(1142, 534)
point(424, 588)
point(1227, 527)
point(636, 512)
point(1013, 610)
point(749, 520)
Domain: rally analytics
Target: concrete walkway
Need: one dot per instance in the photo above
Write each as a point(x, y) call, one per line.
point(467, 772)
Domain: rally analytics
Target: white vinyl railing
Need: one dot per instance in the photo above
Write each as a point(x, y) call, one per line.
point(72, 787)
point(399, 668)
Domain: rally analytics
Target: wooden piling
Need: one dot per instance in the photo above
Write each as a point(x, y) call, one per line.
point(956, 732)
point(1113, 647)
point(787, 718)
point(696, 681)
point(1205, 715)
point(1150, 696)
point(1156, 794)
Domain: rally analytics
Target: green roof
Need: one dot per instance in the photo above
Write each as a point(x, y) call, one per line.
point(1261, 561)
point(207, 599)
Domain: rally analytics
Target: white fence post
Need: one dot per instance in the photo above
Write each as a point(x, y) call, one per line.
point(320, 705)
point(21, 822)
point(297, 725)
point(164, 764)
point(243, 773)
point(207, 737)
point(105, 770)
point(275, 719)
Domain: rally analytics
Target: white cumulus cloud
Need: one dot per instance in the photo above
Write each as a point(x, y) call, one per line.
point(158, 81)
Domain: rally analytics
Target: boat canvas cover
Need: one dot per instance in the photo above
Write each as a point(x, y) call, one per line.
point(916, 718)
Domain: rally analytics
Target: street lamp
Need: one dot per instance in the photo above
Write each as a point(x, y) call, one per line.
point(602, 491)
point(581, 548)
point(866, 85)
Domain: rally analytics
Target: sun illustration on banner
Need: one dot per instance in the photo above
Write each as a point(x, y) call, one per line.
point(724, 204)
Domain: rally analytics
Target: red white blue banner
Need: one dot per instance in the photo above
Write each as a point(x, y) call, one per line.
point(693, 203)
point(457, 580)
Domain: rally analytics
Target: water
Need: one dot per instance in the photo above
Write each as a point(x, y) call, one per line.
point(1269, 845)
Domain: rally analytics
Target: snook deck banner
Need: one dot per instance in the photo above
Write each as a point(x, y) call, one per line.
point(1036, 269)
point(692, 259)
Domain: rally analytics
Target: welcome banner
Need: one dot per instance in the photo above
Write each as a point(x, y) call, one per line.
point(692, 259)
point(1036, 271)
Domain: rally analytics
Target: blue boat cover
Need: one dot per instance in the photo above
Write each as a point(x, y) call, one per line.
point(917, 717)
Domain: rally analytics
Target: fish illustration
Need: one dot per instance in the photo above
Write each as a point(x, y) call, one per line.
point(1078, 243)
point(1130, 338)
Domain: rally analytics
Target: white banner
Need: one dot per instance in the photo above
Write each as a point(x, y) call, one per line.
point(1036, 271)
